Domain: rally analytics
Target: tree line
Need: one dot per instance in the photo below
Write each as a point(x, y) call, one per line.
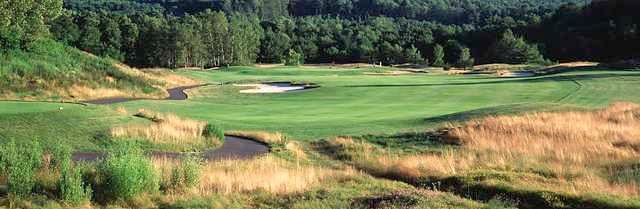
point(443, 11)
point(207, 39)
point(150, 36)
point(210, 39)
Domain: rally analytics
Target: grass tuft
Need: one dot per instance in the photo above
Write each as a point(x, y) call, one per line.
point(168, 129)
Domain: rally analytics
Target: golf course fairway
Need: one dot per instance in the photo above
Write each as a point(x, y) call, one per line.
point(352, 103)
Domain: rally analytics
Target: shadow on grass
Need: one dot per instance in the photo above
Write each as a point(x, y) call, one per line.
point(510, 109)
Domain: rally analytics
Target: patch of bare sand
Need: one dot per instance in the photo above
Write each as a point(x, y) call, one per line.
point(391, 73)
point(268, 88)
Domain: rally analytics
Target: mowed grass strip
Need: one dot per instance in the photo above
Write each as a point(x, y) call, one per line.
point(82, 128)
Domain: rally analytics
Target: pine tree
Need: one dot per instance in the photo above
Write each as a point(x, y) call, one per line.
point(438, 56)
point(111, 37)
point(465, 59)
point(91, 35)
point(512, 49)
point(414, 56)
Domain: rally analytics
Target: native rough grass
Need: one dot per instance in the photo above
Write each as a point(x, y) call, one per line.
point(166, 128)
point(270, 174)
point(261, 136)
point(578, 152)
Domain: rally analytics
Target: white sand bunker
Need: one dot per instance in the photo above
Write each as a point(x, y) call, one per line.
point(270, 88)
point(515, 74)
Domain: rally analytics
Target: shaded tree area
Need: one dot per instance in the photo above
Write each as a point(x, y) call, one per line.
point(23, 22)
point(185, 34)
point(602, 31)
point(443, 11)
point(207, 39)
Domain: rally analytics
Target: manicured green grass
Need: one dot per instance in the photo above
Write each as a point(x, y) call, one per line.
point(26, 107)
point(350, 103)
point(378, 108)
point(82, 128)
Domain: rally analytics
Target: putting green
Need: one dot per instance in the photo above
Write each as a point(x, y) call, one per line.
point(351, 103)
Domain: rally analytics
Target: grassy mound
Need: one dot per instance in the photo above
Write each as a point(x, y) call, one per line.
point(50, 70)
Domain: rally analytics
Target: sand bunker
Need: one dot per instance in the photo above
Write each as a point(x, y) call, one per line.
point(270, 88)
point(515, 74)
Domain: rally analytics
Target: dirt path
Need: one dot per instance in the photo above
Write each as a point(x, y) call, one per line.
point(233, 148)
point(174, 94)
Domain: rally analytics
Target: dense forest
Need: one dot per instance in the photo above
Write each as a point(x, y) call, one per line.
point(460, 33)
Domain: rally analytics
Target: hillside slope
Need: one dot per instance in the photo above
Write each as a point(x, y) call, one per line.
point(53, 71)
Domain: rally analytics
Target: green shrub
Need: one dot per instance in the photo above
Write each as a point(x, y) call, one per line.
point(293, 58)
point(187, 174)
point(212, 130)
point(61, 156)
point(19, 164)
point(127, 174)
point(72, 189)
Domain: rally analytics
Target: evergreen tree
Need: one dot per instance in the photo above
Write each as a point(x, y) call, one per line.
point(90, 40)
point(511, 49)
point(414, 56)
point(274, 46)
point(65, 30)
point(438, 56)
point(111, 37)
point(465, 59)
point(130, 34)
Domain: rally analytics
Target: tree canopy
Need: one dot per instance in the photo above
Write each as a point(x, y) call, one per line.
point(24, 21)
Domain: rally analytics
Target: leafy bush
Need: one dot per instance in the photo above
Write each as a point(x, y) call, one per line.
point(20, 162)
point(61, 157)
point(187, 174)
point(127, 174)
point(72, 189)
point(212, 130)
point(293, 58)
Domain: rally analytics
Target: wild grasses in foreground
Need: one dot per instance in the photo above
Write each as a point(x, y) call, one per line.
point(571, 145)
point(171, 130)
point(268, 174)
point(581, 154)
point(261, 136)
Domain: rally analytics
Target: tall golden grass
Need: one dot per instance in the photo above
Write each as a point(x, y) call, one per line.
point(575, 147)
point(167, 79)
point(261, 136)
point(269, 174)
point(569, 138)
point(166, 129)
